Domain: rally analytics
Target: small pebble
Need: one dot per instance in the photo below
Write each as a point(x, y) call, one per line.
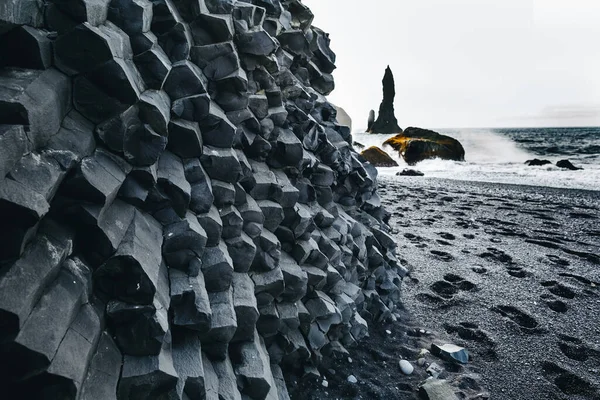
point(406, 367)
point(350, 360)
point(325, 383)
point(421, 362)
point(388, 331)
point(352, 379)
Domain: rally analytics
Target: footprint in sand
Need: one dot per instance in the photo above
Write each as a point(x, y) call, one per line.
point(460, 282)
point(497, 255)
point(447, 236)
point(431, 299)
point(575, 349)
point(568, 382)
point(581, 279)
point(484, 345)
point(557, 306)
point(444, 256)
point(478, 269)
point(559, 289)
point(557, 260)
point(416, 240)
point(593, 258)
point(527, 323)
point(451, 285)
point(444, 289)
point(518, 272)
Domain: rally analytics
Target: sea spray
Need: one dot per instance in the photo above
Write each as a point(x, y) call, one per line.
point(499, 155)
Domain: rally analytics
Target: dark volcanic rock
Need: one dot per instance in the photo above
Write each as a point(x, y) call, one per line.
point(173, 186)
point(537, 162)
point(378, 157)
point(386, 121)
point(409, 172)
point(567, 165)
point(417, 144)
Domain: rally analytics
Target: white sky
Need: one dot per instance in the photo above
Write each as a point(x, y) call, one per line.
point(467, 63)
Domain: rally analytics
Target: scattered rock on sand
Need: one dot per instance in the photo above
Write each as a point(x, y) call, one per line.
point(434, 370)
point(536, 162)
point(378, 157)
point(417, 144)
point(406, 367)
point(567, 165)
point(435, 389)
point(450, 352)
point(409, 172)
point(352, 379)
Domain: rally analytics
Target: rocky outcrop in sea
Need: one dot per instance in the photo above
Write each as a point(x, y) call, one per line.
point(416, 144)
point(182, 215)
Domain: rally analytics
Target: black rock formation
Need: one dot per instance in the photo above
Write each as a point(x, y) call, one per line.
point(386, 121)
point(566, 164)
point(536, 162)
point(181, 213)
point(417, 144)
point(409, 172)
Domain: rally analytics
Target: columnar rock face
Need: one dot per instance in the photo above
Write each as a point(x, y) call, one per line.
point(386, 121)
point(182, 214)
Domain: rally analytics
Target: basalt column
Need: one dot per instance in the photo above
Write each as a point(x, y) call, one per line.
point(182, 216)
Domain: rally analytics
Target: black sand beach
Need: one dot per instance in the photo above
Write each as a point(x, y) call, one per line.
point(512, 273)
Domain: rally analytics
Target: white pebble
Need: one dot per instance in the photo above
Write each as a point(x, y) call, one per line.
point(388, 331)
point(406, 367)
point(421, 361)
point(352, 379)
point(325, 383)
point(350, 360)
point(423, 352)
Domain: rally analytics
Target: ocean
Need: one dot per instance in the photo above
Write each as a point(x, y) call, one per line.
point(499, 155)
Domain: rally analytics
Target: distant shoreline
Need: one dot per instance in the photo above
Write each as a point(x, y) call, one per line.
point(525, 187)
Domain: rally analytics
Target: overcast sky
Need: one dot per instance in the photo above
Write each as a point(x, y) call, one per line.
point(467, 63)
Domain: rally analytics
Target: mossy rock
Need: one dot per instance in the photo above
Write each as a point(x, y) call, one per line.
point(378, 157)
point(416, 144)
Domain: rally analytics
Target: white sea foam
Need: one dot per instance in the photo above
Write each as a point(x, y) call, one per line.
point(491, 157)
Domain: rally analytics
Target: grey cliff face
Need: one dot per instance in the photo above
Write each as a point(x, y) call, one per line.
point(182, 215)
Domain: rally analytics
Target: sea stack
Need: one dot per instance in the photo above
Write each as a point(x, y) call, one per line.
point(386, 121)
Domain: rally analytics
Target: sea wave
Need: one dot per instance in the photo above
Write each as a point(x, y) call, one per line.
point(494, 156)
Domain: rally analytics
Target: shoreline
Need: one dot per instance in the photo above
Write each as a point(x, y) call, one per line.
point(392, 177)
point(386, 178)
